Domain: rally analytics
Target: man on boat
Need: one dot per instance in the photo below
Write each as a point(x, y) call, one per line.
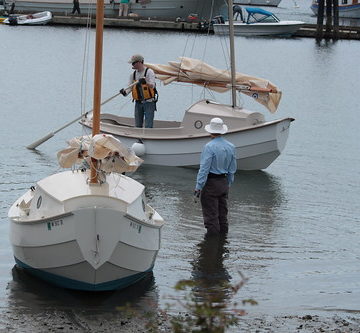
point(216, 174)
point(143, 92)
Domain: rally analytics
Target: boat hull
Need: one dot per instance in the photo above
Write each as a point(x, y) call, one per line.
point(63, 282)
point(92, 248)
point(282, 28)
point(34, 19)
point(345, 10)
point(256, 147)
point(153, 8)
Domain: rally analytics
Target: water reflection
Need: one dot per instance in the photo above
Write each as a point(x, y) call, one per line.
point(256, 197)
point(170, 190)
point(208, 271)
point(30, 293)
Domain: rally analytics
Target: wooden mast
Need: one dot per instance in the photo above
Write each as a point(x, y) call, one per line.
point(232, 52)
point(97, 81)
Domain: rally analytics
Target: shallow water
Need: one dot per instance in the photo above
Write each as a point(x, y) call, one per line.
point(294, 228)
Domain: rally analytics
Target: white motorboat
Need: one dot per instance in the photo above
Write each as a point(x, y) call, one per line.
point(259, 22)
point(89, 228)
point(258, 142)
point(269, 3)
point(142, 8)
point(30, 19)
point(347, 8)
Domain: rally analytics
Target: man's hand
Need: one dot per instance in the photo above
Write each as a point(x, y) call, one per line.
point(197, 195)
point(123, 92)
point(142, 80)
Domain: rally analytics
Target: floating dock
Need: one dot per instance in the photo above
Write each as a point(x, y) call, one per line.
point(308, 30)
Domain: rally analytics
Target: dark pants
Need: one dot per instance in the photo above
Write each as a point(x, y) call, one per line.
point(213, 199)
point(76, 7)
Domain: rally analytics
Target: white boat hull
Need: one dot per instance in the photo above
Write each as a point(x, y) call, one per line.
point(153, 8)
point(96, 243)
point(345, 10)
point(282, 28)
point(256, 149)
point(257, 143)
point(33, 19)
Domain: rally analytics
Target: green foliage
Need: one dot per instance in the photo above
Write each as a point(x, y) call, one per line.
point(210, 313)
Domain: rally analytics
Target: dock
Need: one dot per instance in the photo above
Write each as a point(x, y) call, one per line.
point(131, 23)
point(308, 30)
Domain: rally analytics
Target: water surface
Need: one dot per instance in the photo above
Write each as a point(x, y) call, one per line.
point(294, 228)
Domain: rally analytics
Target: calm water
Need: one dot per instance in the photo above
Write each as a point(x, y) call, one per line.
point(294, 228)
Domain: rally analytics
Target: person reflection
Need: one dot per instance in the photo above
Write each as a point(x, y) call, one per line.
point(208, 271)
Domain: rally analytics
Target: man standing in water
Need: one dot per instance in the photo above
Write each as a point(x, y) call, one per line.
point(216, 174)
point(143, 92)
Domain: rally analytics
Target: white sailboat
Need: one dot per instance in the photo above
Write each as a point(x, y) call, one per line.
point(258, 142)
point(88, 229)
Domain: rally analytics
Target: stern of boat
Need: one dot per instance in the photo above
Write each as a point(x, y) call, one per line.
point(103, 243)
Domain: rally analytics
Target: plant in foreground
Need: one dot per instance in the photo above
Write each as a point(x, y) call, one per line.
point(210, 313)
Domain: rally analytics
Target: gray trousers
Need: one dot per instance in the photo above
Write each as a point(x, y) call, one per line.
point(213, 199)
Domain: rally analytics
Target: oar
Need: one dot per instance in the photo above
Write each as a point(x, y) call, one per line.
point(51, 134)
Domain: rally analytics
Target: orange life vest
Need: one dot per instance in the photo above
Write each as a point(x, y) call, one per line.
point(142, 92)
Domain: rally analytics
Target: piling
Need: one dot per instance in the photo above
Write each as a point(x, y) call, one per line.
point(332, 20)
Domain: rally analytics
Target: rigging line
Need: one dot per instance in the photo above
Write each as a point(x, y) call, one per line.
point(208, 30)
point(85, 67)
point(196, 35)
point(188, 37)
point(207, 36)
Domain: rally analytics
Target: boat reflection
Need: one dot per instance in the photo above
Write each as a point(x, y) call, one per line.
point(257, 202)
point(29, 293)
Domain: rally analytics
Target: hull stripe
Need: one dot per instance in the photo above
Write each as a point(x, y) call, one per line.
point(67, 283)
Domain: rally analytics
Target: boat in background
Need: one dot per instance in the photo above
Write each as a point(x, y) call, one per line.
point(30, 19)
point(170, 143)
point(347, 8)
point(89, 228)
point(270, 3)
point(259, 22)
point(139, 8)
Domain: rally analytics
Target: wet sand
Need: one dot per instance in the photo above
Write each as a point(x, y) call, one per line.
point(74, 321)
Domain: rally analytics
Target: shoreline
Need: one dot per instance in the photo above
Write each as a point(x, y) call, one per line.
point(27, 320)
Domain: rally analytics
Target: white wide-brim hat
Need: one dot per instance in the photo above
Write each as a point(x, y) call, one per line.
point(216, 126)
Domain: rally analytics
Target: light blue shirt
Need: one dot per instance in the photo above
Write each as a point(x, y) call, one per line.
point(218, 156)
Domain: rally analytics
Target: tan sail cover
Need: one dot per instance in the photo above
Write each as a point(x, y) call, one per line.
point(198, 72)
point(113, 155)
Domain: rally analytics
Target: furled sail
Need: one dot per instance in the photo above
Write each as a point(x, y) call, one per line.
point(113, 155)
point(198, 72)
